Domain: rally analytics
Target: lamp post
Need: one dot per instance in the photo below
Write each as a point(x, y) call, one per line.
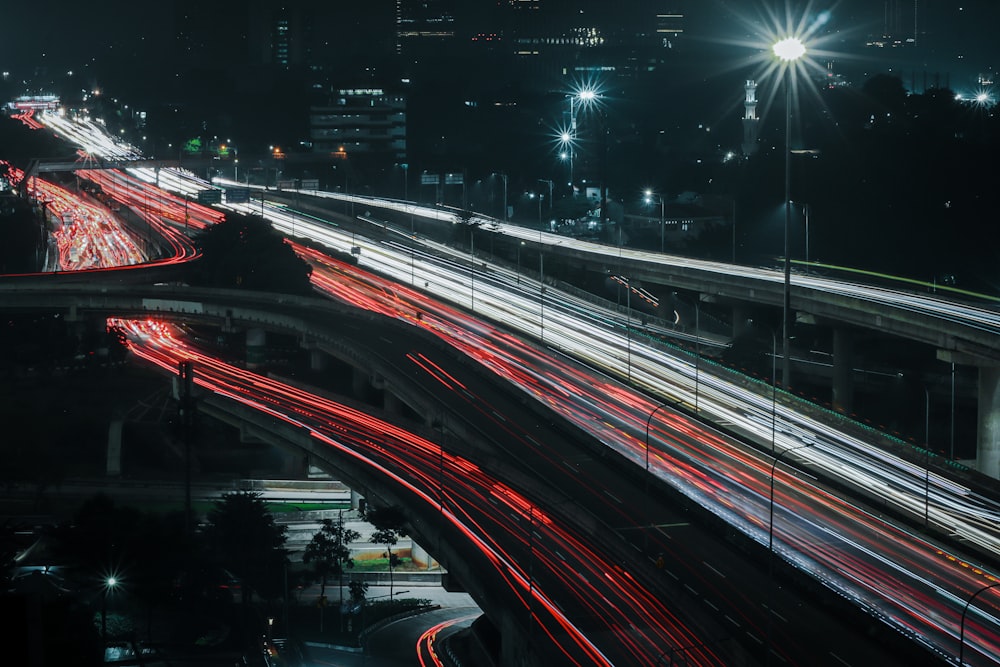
point(109, 585)
point(770, 543)
point(659, 199)
point(927, 446)
point(503, 177)
point(774, 380)
point(543, 180)
point(961, 631)
point(472, 268)
point(567, 154)
point(649, 521)
point(697, 349)
point(577, 99)
point(774, 384)
point(541, 294)
point(805, 219)
point(788, 51)
point(628, 328)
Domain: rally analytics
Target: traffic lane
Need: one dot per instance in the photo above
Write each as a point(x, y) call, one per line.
point(802, 630)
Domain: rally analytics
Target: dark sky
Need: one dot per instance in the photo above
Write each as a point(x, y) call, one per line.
point(69, 35)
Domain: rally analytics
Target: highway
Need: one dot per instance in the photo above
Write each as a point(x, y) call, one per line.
point(627, 624)
point(915, 585)
point(895, 574)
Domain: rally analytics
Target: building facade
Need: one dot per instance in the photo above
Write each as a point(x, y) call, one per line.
point(364, 123)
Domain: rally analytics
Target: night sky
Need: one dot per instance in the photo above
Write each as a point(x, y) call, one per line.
point(64, 35)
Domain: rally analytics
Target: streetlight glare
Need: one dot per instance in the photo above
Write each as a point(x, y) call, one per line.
point(789, 49)
point(111, 581)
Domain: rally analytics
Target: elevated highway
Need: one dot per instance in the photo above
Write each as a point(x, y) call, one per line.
point(960, 331)
point(247, 309)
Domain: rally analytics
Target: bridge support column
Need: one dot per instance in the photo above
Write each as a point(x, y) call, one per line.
point(988, 448)
point(295, 467)
point(391, 402)
point(356, 500)
point(360, 385)
point(843, 366)
point(317, 360)
point(256, 347)
point(114, 455)
point(740, 322)
point(515, 648)
point(420, 557)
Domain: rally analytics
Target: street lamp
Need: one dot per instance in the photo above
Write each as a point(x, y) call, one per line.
point(521, 245)
point(504, 178)
point(770, 543)
point(650, 200)
point(628, 328)
point(109, 585)
point(405, 167)
point(566, 140)
point(549, 182)
point(788, 51)
point(581, 97)
point(961, 632)
point(649, 521)
point(532, 195)
point(805, 218)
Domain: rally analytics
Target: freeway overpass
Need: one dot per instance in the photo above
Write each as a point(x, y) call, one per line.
point(232, 309)
point(322, 325)
point(963, 333)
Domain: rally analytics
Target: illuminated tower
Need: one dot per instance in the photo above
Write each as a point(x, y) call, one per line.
point(751, 125)
point(669, 23)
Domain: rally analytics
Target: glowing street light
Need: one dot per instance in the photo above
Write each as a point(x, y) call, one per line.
point(652, 198)
point(567, 138)
point(109, 585)
point(788, 50)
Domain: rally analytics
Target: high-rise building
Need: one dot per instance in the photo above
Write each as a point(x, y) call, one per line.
point(900, 23)
point(281, 32)
point(232, 33)
point(580, 36)
point(423, 23)
point(361, 123)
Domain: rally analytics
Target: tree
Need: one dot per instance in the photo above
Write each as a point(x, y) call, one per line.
point(243, 536)
point(244, 252)
point(329, 552)
point(389, 527)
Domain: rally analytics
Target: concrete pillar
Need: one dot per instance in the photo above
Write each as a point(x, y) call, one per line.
point(114, 456)
point(392, 403)
point(420, 557)
point(843, 370)
point(515, 648)
point(739, 320)
point(317, 360)
point(355, 499)
point(256, 347)
point(988, 449)
point(295, 467)
point(360, 386)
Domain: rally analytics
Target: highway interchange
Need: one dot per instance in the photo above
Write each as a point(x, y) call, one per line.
point(914, 585)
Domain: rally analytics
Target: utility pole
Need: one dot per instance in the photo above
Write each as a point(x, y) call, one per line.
point(186, 409)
